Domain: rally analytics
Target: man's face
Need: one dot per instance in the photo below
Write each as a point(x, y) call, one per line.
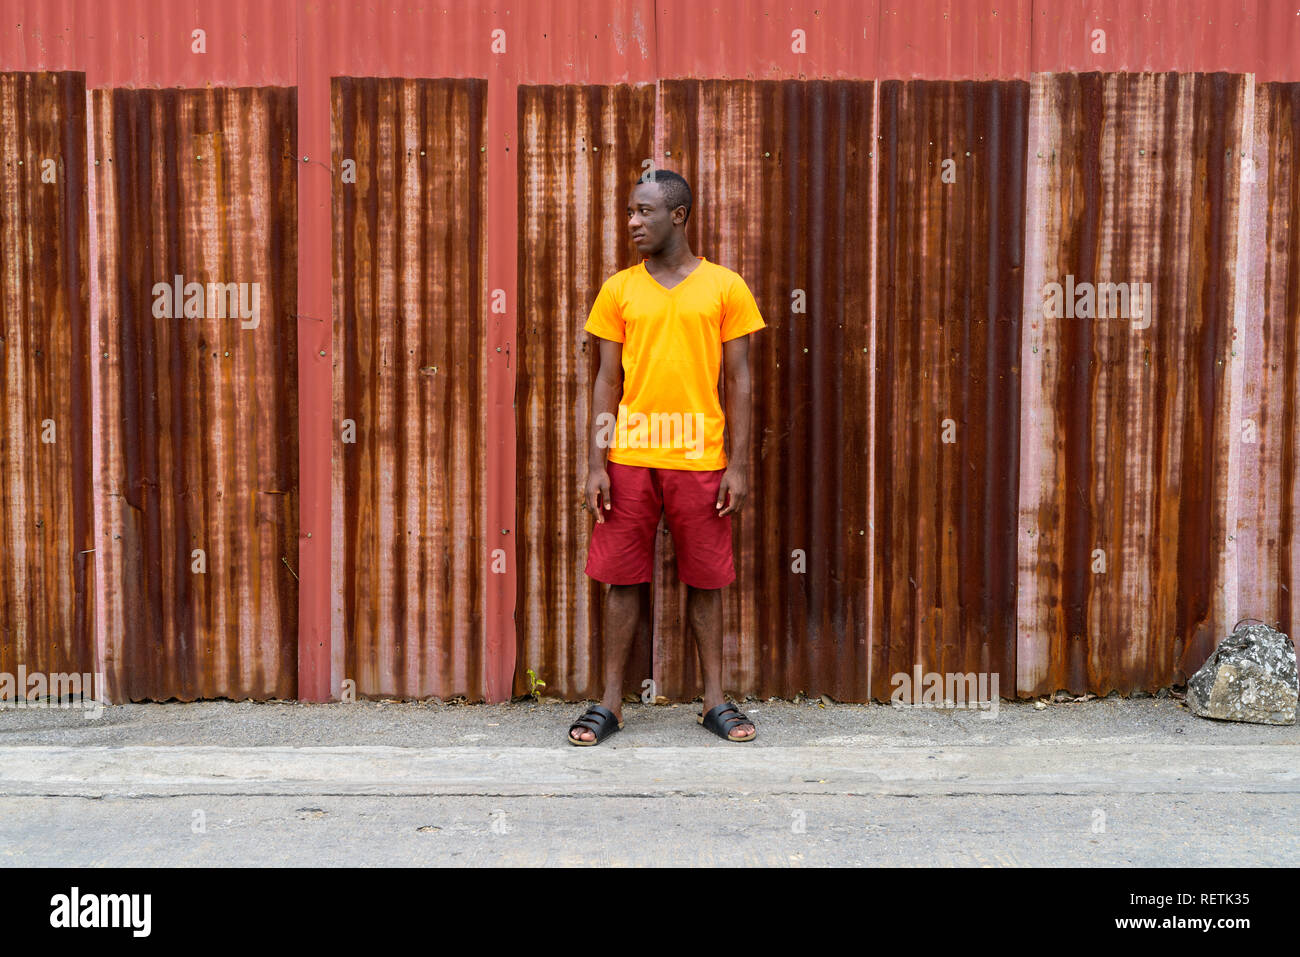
point(649, 221)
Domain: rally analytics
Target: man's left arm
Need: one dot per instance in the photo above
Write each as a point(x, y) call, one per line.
point(740, 400)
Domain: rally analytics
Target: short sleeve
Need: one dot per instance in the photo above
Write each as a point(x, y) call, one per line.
point(740, 316)
point(606, 319)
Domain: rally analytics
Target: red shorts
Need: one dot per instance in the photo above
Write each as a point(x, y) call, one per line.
point(622, 549)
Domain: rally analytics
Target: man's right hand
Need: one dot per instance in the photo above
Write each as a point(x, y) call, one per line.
point(598, 494)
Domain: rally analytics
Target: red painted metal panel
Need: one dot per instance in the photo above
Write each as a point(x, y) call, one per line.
point(141, 43)
point(196, 419)
point(749, 40)
point(320, 643)
point(1160, 36)
point(47, 559)
point(955, 39)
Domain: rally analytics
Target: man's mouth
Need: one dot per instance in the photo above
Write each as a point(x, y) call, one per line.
point(638, 237)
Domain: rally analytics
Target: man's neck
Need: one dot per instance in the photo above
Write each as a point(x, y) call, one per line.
point(675, 258)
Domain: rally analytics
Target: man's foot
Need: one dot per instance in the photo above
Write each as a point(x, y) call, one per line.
point(738, 732)
point(584, 734)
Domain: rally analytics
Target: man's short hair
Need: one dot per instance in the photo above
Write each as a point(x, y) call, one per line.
point(673, 187)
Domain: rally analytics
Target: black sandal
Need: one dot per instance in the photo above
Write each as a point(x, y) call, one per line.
point(597, 719)
point(722, 719)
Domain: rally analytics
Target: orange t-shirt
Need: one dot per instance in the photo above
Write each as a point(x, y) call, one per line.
point(670, 416)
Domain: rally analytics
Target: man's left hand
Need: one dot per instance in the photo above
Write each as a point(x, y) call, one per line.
point(733, 483)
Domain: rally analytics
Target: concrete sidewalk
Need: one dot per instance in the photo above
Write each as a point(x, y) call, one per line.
point(1102, 782)
point(529, 724)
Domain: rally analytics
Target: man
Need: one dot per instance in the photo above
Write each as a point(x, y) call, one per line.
point(665, 326)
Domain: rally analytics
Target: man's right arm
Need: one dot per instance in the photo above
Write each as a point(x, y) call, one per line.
point(605, 397)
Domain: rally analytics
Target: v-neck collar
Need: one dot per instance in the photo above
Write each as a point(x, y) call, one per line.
point(679, 285)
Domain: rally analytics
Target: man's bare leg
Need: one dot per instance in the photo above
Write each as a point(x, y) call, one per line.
point(622, 615)
point(704, 612)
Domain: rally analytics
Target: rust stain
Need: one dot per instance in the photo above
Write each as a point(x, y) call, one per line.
point(924, 304)
point(772, 164)
point(1130, 498)
point(1268, 339)
point(197, 414)
point(410, 301)
point(581, 150)
point(951, 208)
point(47, 574)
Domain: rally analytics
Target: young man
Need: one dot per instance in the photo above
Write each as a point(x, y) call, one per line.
point(665, 326)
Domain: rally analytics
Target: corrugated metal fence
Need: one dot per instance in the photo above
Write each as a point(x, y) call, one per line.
point(295, 387)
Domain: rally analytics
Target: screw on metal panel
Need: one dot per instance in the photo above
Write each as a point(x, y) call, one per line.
point(668, 152)
point(309, 534)
point(482, 149)
point(505, 531)
point(227, 355)
point(498, 348)
point(306, 159)
point(968, 152)
point(805, 350)
point(322, 352)
point(1142, 152)
point(595, 149)
point(767, 154)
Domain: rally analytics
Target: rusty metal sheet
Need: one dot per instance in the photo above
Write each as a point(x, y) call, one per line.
point(410, 309)
point(1125, 495)
point(773, 165)
point(47, 559)
point(1264, 558)
point(196, 458)
point(581, 152)
point(1096, 446)
point(949, 289)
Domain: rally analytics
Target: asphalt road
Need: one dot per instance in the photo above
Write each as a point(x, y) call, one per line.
point(1111, 783)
